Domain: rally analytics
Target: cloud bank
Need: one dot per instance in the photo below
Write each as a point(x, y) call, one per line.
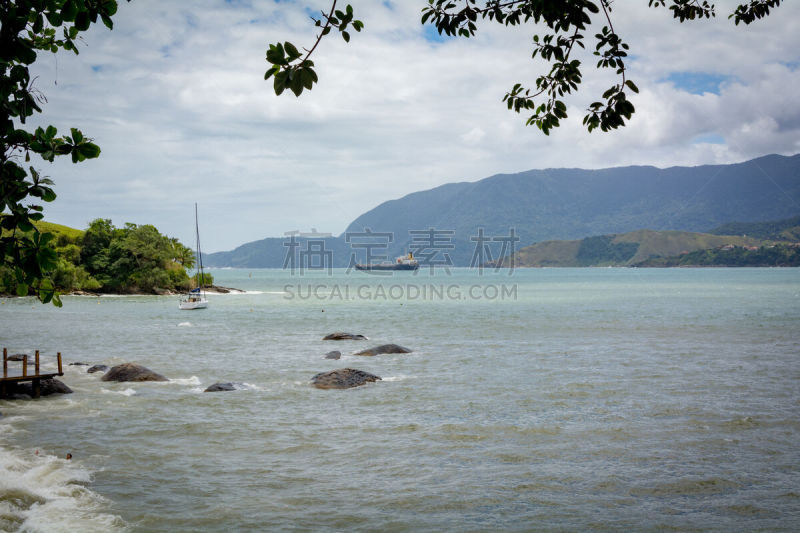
point(175, 97)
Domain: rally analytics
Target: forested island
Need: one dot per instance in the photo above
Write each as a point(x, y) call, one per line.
point(134, 259)
point(774, 255)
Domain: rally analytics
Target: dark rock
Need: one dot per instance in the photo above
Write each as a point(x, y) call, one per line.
point(132, 372)
point(384, 348)
point(219, 387)
point(221, 290)
point(96, 368)
point(47, 387)
point(341, 336)
point(78, 363)
point(343, 378)
point(335, 354)
point(163, 292)
point(16, 357)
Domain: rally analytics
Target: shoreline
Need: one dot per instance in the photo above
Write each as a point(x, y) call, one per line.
point(215, 289)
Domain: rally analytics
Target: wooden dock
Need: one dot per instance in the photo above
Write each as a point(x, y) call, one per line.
point(19, 375)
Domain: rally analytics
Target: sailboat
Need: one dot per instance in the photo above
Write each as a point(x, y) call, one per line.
point(196, 298)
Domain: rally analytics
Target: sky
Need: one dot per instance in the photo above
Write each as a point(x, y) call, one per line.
point(175, 96)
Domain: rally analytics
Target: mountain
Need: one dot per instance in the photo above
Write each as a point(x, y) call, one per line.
point(549, 204)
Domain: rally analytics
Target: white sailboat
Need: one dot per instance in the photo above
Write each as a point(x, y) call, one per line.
point(196, 298)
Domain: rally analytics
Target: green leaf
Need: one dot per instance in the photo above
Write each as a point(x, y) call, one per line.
point(69, 10)
point(82, 22)
point(296, 85)
point(291, 50)
point(48, 196)
point(89, 150)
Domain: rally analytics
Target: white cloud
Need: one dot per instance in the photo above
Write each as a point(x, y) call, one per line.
point(175, 96)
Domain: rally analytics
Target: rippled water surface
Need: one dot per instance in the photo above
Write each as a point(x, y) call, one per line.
point(585, 399)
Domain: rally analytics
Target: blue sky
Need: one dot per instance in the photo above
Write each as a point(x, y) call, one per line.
point(175, 97)
point(698, 82)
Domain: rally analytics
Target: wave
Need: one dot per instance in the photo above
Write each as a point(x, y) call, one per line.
point(194, 380)
point(397, 378)
point(40, 492)
point(185, 324)
point(126, 392)
point(234, 292)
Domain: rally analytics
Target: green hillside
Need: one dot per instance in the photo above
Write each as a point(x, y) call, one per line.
point(770, 255)
point(59, 229)
point(622, 250)
point(787, 229)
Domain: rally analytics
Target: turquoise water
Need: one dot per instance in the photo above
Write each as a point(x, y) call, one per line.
point(551, 399)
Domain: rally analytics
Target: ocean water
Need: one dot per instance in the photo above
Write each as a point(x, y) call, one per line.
point(550, 399)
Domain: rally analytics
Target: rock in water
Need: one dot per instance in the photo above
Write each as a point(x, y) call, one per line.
point(47, 387)
point(343, 378)
point(53, 386)
point(384, 348)
point(336, 354)
point(220, 387)
point(132, 372)
point(96, 368)
point(17, 357)
point(341, 336)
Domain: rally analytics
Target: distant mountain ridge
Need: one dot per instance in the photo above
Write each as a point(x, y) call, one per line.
point(552, 204)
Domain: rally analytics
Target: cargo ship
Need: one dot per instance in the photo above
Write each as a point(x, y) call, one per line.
point(404, 262)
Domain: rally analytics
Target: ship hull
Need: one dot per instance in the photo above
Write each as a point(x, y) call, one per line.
point(388, 267)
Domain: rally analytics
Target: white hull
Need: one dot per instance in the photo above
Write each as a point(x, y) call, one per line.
point(198, 303)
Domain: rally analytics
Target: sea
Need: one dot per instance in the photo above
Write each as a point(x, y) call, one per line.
point(594, 399)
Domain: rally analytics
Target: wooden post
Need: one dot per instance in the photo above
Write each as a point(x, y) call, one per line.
point(36, 363)
point(24, 365)
point(60, 372)
point(5, 362)
point(36, 388)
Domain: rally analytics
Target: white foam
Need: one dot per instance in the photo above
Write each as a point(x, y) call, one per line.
point(194, 380)
point(45, 493)
point(185, 324)
point(126, 392)
point(397, 378)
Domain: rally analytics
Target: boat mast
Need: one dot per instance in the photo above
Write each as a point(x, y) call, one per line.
point(201, 281)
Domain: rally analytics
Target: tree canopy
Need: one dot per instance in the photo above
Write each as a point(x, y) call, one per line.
point(31, 27)
point(564, 23)
point(131, 259)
